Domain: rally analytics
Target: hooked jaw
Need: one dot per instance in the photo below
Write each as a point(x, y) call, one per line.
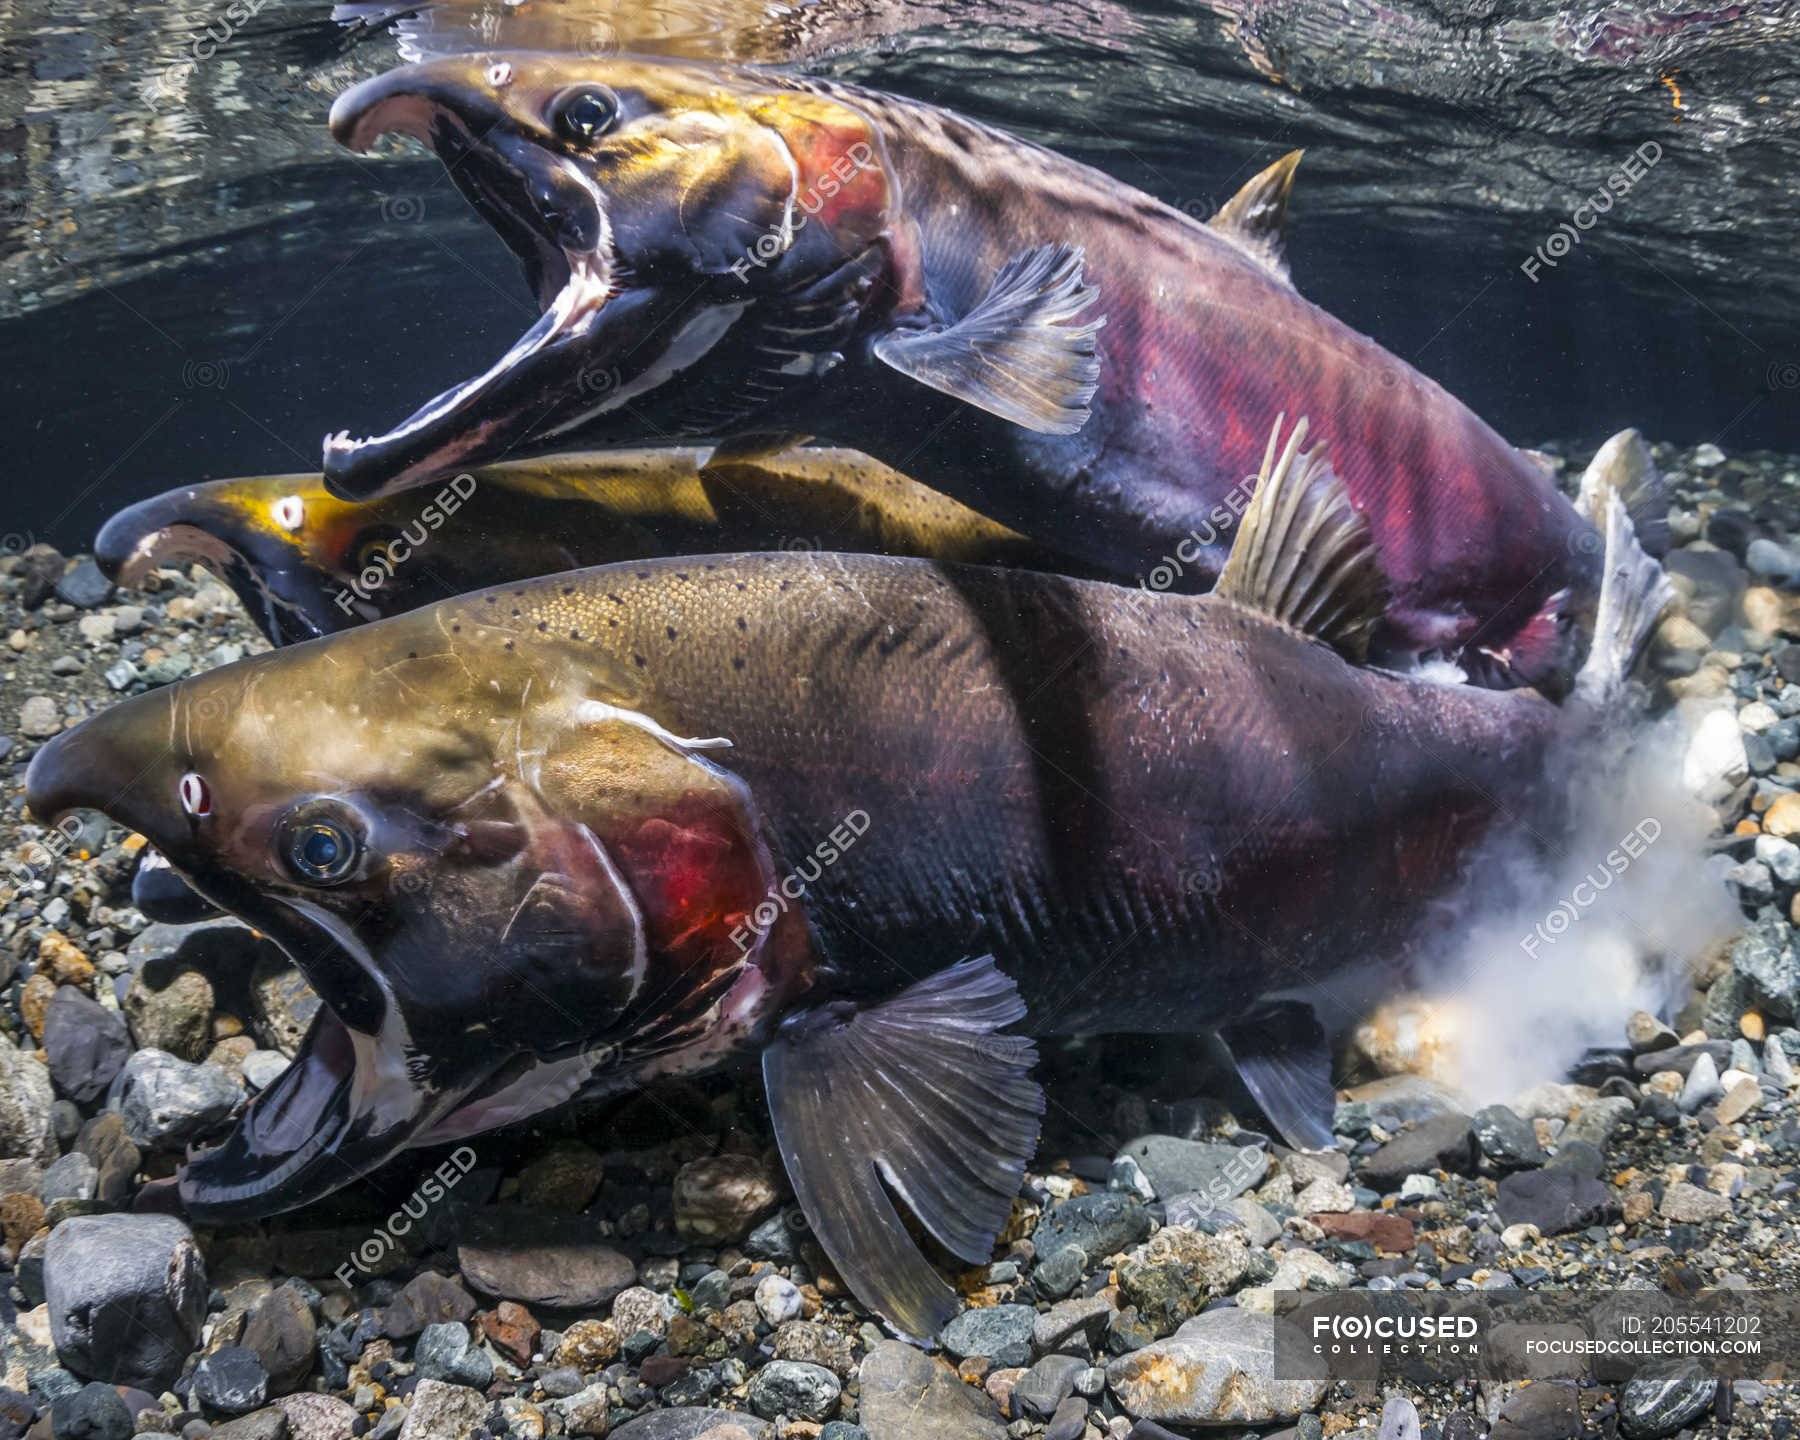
point(549, 212)
point(356, 1092)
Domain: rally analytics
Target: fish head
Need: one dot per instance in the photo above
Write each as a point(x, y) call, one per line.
point(303, 562)
point(500, 889)
point(653, 203)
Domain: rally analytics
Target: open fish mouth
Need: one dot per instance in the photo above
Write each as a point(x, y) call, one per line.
point(554, 218)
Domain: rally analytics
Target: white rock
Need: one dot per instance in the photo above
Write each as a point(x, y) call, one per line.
point(777, 1300)
point(1757, 717)
point(1715, 763)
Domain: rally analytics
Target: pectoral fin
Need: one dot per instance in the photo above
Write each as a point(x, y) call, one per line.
point(1017, 354)
point(922, 1093)
point(1284, 1062)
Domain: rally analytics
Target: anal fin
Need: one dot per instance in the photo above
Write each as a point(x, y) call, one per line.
point(920, 1092)
point(1284, 1062)
point(1017, 354)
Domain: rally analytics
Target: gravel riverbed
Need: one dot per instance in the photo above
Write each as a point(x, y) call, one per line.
point(641, 1271)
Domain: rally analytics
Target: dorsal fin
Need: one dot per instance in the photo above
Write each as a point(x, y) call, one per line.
point(1303, 553)
point(1255, 219)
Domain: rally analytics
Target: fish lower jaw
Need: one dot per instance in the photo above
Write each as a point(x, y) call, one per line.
point(441, 433)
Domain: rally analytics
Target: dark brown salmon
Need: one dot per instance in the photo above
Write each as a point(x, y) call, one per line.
point(634, 821)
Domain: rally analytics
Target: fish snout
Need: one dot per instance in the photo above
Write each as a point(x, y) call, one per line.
point(119, 762)
point(411, 100)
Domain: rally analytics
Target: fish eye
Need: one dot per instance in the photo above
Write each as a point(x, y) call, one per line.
point(196, 795)
point(586, 114)
point(321, 847)
point(373, 550)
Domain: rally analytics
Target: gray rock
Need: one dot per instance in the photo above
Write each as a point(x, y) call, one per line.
point(285, 1003)
point(1399, 1419)
point(585, 1412)
point(1442, 1142)
point(312, 1416)
point(906, 1395)
point(1046, 1385)
point(1002, 1333)
point(774, 1239)
point(39, 718)
point(1060, 1272)
point(1655, 1405)
point(690, 1422)
point(1505, 1139)
point(94, 1412)
point(1102, 1224)
point(231, 1381)
point(1763, 955)
point(281, 1330)
point(441, 1411)
point(171, 1008)
point(427, 1299)
point(166, 1102)
point(74, 1177)
point(1548, 1410)
point(1069, 1422)
point(26, 1130)
point(1086, 1315)
point(1217, 1369)
point(1174, 1166)
point(1597, 1122)
point(268, 1424)
point(554, 1262)
point(127, 1295)
point(85, 1044)
point(84, 586)
point(116, 1159)
point(445, 1352)
point(1554, 1200)
point(789, 1387)
point(1681, 1058)
point(1702, 1086)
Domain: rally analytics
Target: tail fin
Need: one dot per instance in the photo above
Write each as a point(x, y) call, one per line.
point(1623, 466)
point(1634, 592)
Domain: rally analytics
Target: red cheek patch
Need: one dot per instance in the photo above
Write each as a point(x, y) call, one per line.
point(695, 877)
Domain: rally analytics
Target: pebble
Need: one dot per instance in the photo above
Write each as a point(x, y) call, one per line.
point(86, 1044)
point(442, 1411)
point(1000, 1333)
point(777, 1299)
point(553, 1265)
point(907, 1395)
point(126, 1295)
point(720, 1198)
point(1174, 1166)
point(165, 1102)
point(231, 1380)
point(1505, 1139)
point(1217, 1369)
point(1102, 1224)
point(1702, 1086)
point(94, 1412)
point(1657, 1405)
point(445, 1352)
point(1689, 1204)
point(39, 718)
point(789, 1387)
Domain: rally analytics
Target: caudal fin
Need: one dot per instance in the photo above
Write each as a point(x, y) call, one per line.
point(1634, 592)
point(1624, 467)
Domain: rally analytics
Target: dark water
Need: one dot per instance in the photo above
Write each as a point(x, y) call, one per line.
point(199, 284)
